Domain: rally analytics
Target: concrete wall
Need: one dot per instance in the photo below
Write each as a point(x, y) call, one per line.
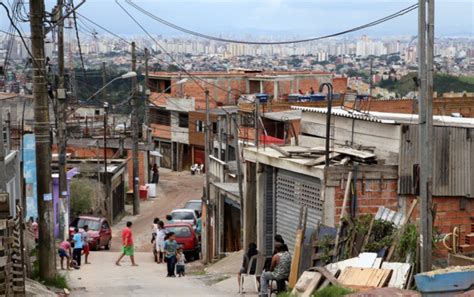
point(384, 138)
point(178, 134)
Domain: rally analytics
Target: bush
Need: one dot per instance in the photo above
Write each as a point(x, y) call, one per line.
point(82, 193)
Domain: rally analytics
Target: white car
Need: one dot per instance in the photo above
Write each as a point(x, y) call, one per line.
point(184, 216)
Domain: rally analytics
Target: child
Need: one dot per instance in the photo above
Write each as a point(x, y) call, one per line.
point(160, 239)
point(85, 243)
point(180, 260)
point(77, 251)
point(170, 248)
point(64, 251)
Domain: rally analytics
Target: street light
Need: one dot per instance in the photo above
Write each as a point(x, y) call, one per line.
point(123, 76)
point(328, 117)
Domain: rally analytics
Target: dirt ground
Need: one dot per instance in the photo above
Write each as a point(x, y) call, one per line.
point(173, 191)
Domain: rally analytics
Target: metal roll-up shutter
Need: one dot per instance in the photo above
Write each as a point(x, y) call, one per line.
point(292, 191)
point(269, 210)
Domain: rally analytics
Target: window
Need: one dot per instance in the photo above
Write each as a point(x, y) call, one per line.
point(160, 117)
point(183, 120)
point(182, 215)
point(199, 126)
point(214, 128)
point(247, 120)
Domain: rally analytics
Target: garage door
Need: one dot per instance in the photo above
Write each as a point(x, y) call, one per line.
point(292, 191)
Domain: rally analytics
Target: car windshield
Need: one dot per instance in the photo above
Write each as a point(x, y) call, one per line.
point(92, 224)
point(182, 215)
point(193, 205)
point(179, 231)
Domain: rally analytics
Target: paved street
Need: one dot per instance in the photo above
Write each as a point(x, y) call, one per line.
point(104, 278)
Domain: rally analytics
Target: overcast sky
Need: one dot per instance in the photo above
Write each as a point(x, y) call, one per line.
point(276, 17)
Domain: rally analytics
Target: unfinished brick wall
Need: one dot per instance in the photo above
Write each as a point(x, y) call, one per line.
point(371, 194)
point(142, 170)
point(451, 212)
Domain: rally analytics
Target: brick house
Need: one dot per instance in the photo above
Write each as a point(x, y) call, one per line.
point(167, 119)
point(276, 187)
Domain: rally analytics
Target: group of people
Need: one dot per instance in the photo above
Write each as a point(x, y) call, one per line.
point(310, 92)
point(73, 249)
point(166, 249)
point(197, 168)
point(278, 269)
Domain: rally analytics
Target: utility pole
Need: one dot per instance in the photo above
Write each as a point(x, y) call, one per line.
point(425, 125)
point(62, 141)
point(47, 249)
point(257, 121)
point(3, 175)
point(136, 197)
point(207, 229)
point(104, 80)
point(147, 112)
point(106, 171)
point(239, 170)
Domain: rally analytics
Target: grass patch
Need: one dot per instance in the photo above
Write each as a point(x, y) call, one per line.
point(198, 272)
point(59, 281)
point(330, 291)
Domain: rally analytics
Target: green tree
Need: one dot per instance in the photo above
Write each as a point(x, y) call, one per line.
point(82, 195)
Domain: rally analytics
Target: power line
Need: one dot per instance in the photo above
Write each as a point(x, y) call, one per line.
point(202, 35)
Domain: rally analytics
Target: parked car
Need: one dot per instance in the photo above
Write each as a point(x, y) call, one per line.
point(186, 237)
point(100, 232)
point(195, 205)
point(184, 216)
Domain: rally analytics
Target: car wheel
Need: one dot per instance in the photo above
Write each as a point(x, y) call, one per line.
point(108, 245)
point(96, 247)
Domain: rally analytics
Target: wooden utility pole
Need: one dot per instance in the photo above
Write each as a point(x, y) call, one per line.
point(62, 139)
point(147, 113)
point(425, 124)
point(104, 81)
point(47, 249)
point(3, 175)
point(239, 170)
point(207, 228)
point(136, 196)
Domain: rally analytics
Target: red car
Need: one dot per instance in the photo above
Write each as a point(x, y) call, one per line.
point(100, 232)
point(186, 237)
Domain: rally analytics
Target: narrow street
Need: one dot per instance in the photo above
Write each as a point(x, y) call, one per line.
point(104, 278)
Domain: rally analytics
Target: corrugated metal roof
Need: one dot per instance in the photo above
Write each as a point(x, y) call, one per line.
point(390, 118)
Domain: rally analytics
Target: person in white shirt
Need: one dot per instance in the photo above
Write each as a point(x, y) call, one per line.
point(160, 241)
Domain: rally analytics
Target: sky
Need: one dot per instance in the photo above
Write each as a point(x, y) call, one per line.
point(277, 18)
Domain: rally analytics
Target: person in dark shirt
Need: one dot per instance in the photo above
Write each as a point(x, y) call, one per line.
point(251, 251)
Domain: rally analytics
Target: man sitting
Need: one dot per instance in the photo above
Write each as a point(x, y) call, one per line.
point(279, 269)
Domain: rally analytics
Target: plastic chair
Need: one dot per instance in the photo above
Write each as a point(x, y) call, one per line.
point(259, 261)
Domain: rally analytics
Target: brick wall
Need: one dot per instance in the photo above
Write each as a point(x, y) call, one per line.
point(141, 168)
point(161, 131)
point(195, 137)
point(450, 213)
point(441, 106)
point(371, 194)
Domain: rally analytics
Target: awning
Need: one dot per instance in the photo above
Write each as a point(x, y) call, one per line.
point(156, 154)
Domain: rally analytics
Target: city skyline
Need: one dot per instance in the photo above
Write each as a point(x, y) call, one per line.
point(264, 18)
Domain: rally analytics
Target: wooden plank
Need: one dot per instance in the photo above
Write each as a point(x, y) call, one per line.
point(399, 275)
point(364, 277)
point(306, 284)
point(355, 153)
point(459, 260)
point(321, 159)
point(402, 228)
point(295, 261)
point(280, 150)
point(343, 212)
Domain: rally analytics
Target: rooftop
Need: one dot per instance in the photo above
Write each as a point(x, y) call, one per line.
point(391, 118)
